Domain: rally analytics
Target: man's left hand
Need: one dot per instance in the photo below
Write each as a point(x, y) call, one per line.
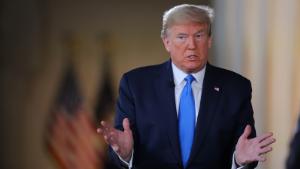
point(251, 150)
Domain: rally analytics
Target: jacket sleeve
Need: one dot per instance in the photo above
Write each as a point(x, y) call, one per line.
point(246, 116)
point(124, 109)
point(293, 161)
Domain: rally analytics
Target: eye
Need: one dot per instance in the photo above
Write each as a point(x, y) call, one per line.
point(200, 35)
point(181, 37)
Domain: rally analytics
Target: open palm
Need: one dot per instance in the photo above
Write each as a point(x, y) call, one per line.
point(120, 141)
point(250, 150)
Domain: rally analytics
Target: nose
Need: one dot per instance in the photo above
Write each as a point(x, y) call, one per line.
point(191, 43)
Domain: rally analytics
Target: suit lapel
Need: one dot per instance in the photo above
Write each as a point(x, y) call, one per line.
point(209, 101)
point(167, 97)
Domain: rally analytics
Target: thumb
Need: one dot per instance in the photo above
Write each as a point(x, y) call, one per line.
point(247, 132)
point(126, 124)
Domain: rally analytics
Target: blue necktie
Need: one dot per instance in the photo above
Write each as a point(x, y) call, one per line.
point(186, 118)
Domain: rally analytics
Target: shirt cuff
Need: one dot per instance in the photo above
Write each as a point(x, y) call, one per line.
point(234, 166)
point(129, 164)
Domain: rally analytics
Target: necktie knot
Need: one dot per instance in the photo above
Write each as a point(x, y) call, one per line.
point(189, 79)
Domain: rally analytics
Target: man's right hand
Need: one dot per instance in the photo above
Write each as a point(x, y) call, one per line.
point(120, 141)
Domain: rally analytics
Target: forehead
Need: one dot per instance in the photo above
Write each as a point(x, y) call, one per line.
point(188, 28)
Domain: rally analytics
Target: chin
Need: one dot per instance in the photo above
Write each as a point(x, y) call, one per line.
point(193, 68)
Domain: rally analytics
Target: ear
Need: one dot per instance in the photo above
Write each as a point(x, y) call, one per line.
point(166, 42)
point(210, 41)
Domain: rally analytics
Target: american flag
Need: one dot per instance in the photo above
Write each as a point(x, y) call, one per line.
point(71, 137)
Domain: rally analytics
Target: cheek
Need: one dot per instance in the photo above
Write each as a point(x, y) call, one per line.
point(204, 47)
point(179, 48)
point(177, 53)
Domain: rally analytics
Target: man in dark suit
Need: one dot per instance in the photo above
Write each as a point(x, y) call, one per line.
point(293, 161)
point(185, 113)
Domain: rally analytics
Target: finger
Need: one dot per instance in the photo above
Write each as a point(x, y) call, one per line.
point(103, 133)
point(102, 123)
point(126, 124)
point(108, 134)
point(99, 130)
point(103, 130)
point(267, 142)
point(107, 128)
point(105, 124)
point(247, 132)
point(109, 138)
point(106, 139)
point(264, 136)
point(265, 150)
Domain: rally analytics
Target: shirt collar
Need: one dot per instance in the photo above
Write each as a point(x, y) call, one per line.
point(179, 75)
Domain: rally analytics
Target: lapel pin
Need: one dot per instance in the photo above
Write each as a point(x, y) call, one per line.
point(217, 89)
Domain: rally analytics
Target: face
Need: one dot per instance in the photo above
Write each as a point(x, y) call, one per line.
point(188, 46)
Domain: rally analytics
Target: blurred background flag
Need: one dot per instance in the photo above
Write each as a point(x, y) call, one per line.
point(105, 99)
point(105, 95)
point(71, 137)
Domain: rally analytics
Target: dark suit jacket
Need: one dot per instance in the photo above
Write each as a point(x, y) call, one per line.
point(293, 161)
point(146, 97)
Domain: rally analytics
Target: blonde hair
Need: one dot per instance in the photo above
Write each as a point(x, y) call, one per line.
point(187, 13)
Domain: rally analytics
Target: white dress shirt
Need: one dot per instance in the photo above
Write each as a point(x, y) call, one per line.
point(197, 86)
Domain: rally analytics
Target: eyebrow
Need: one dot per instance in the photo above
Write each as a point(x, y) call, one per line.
point(185, 34)
point(181, 34)
point(200, 31)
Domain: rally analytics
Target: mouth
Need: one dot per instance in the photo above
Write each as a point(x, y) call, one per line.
point(192, 57)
